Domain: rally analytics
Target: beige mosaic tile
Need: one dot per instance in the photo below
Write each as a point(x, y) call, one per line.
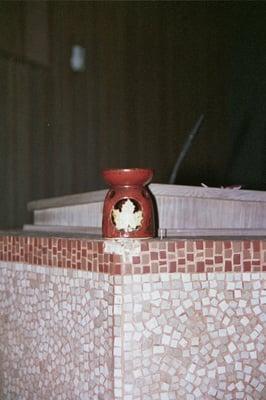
point(192, 336)
point(74, 334)
point(56, 334)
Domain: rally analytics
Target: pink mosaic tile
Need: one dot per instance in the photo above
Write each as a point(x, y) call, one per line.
point(154, 256)
point(134, 320)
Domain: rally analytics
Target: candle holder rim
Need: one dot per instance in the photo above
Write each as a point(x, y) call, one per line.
point(128, 176)
point(127, 170)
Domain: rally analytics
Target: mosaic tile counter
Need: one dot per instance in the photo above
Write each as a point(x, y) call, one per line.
point(132, 320)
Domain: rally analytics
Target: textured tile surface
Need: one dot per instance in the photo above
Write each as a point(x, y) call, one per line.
point(137, 256)
point(145, 320)
point(56, 334)
point(191, 336)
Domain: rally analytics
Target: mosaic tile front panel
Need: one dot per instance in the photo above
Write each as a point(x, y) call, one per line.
point(190, 336)
point(132, 320)
point(56, 334)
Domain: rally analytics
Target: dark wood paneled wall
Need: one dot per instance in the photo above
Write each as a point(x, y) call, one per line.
point(151, 69)
point(26, 140)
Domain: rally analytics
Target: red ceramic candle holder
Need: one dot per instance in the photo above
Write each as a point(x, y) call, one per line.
point(128, 207)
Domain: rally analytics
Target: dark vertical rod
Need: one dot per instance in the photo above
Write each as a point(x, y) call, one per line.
point(185, 148)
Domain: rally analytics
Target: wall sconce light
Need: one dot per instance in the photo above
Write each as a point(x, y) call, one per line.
point(77, 60)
